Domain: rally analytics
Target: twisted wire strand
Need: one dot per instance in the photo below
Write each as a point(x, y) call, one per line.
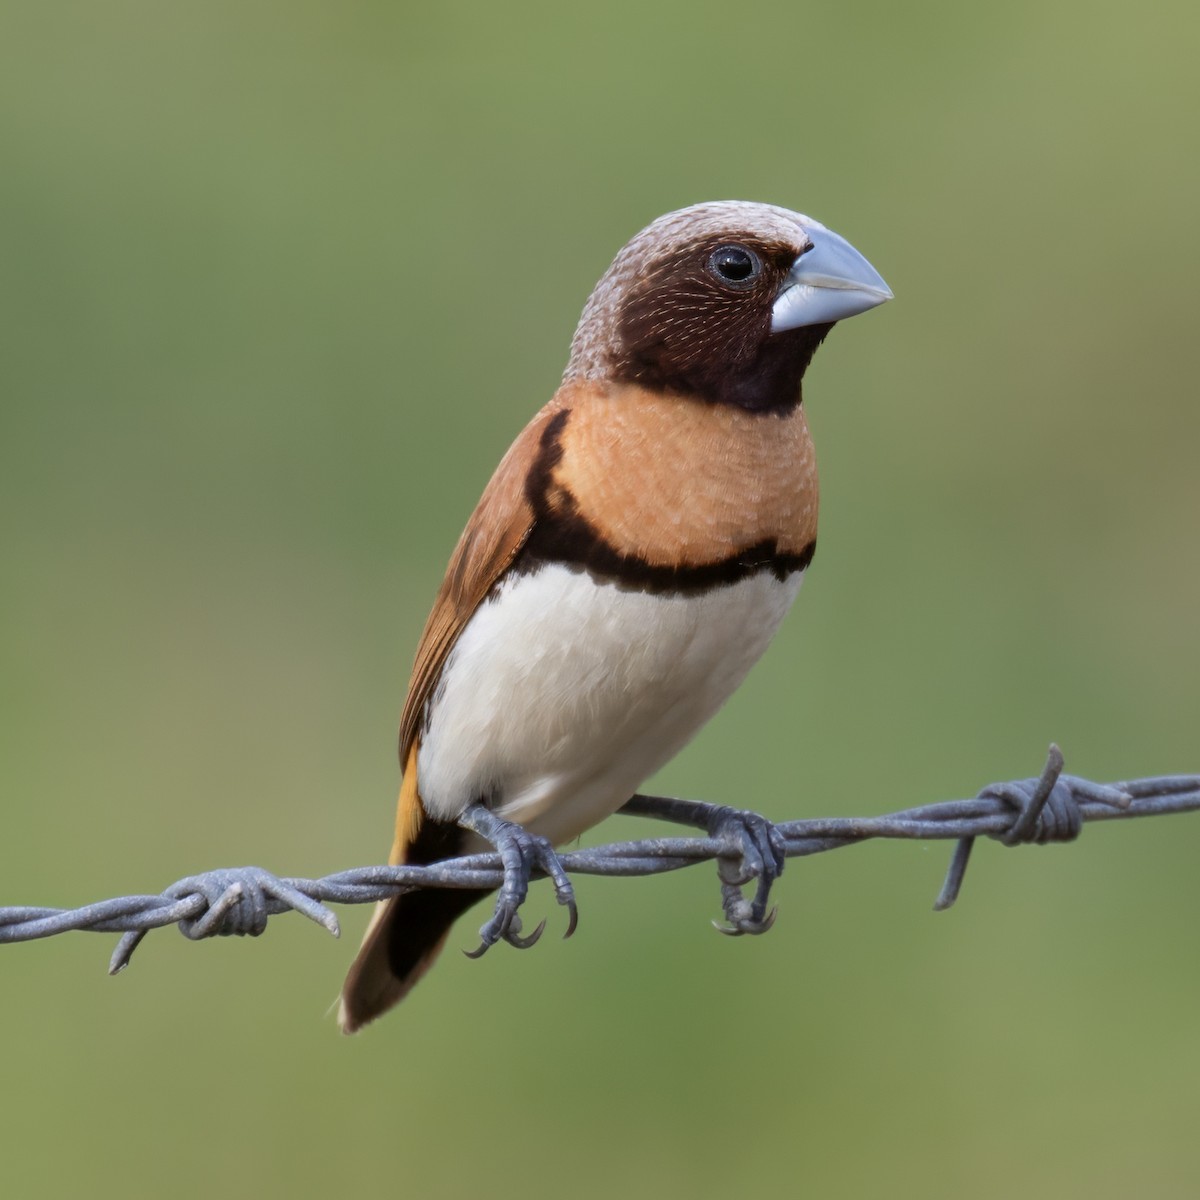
point(238, 901)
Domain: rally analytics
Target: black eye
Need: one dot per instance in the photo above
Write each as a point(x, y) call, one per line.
point(734, 264)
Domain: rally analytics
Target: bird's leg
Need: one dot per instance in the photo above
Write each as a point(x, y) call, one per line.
point(521, 853)
point(762, 854)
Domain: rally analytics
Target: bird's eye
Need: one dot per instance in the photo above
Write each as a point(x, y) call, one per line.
point(735, 265)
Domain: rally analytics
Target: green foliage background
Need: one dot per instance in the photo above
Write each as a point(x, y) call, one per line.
point(279, 282)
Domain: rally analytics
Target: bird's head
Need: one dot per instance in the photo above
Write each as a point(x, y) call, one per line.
point(725, 301)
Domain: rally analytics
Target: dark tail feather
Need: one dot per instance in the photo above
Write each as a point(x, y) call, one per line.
point(403, 940)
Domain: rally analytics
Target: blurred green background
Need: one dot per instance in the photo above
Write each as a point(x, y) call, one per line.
point(278, 284)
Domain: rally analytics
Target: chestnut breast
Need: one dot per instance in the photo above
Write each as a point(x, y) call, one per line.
point(672, 493)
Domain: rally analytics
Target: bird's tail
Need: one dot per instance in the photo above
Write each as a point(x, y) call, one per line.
point(407, 932)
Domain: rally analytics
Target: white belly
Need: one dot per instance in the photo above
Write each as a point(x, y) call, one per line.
point(562, 695)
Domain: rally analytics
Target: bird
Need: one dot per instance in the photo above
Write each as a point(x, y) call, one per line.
point(630, 560)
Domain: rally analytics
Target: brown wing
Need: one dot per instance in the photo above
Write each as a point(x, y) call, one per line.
point(495, 533)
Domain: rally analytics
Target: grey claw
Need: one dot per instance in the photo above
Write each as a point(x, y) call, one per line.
point(765, 924)
point(513, 938)
point(747, 925)
point(564, 890)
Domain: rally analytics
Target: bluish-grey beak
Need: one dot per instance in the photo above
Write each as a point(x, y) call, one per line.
point(830, 282)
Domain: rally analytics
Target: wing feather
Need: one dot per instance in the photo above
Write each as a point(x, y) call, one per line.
point(494, 535)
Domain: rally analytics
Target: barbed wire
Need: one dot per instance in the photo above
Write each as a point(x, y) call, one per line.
point(238, 901)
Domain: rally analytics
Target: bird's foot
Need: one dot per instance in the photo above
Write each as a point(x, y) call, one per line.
point(521, 853)
point(757, 851)
point(761, 856)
